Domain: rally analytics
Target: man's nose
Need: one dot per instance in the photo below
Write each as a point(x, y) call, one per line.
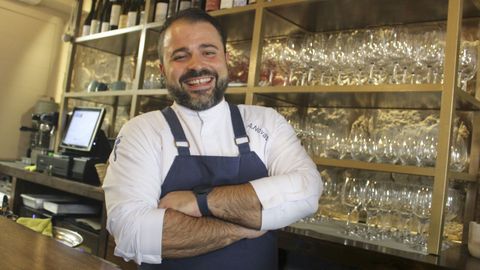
point(195, 62)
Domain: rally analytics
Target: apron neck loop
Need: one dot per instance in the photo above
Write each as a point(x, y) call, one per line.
point(179, 136)
point(241, 138)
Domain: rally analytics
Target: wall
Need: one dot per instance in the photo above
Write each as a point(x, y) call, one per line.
point(32, 64)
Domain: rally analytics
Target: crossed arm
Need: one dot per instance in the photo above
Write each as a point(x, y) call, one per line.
point(237, 215)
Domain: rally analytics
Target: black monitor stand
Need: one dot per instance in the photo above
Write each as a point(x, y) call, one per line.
point(83, 162)
point(100, 149)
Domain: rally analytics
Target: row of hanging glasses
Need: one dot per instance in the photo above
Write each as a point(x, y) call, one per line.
point(379, 210)
point(386, 55)
point(406, 145)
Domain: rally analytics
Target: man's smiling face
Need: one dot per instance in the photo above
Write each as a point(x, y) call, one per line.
point(194, 64)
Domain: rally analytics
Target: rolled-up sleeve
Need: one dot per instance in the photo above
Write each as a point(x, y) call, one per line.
point(294, 185)
point(132, 188)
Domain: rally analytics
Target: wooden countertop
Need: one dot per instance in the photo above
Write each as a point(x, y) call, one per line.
point(22, 248)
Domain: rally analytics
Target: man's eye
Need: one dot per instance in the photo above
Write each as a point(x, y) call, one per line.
point(178, 57)
point(209, 53)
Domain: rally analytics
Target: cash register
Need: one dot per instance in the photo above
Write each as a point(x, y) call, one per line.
point(83, 145)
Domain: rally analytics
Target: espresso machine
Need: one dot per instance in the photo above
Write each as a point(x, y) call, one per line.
point(43, 129)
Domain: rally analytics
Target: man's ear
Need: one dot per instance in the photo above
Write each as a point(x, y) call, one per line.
point(227, 56)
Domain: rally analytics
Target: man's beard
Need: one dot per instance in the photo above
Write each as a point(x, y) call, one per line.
point(205, 100)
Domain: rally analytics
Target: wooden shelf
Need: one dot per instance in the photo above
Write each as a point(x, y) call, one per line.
point(334, 15)
point(16, 169)
point(401, 96)
point(392, 168)
point(120, 42)
point(122, 98)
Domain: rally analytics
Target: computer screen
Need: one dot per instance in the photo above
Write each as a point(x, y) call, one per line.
point(82, 128)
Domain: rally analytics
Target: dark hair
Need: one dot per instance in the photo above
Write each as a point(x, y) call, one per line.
point(191, 15)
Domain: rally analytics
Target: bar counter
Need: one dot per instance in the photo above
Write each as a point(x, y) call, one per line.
point(307, 249)
point(317, 250)
point(22, 248)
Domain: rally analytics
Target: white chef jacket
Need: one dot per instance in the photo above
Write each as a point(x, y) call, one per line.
point(145, 150)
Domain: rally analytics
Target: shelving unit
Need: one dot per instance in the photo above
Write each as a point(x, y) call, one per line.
point(254, 23)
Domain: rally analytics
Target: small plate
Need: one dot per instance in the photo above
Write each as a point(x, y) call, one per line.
point(67, 237)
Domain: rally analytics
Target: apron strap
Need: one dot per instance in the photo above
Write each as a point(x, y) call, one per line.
point(178, 135)
point(241, 138)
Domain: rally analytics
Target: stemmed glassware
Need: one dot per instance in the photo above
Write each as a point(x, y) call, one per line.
point(361, 146)
point(385, 149)
point(467, 61)
point(459, 154)
point(421, 210)
point(407, 150)
point(404, 204)
point(329, 199)
point(353, 197)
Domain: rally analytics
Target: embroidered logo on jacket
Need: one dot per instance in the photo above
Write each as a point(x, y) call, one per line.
point(117, 142)
point(259, 130)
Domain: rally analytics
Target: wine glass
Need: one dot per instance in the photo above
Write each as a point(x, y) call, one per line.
point(426, 151)
point(407, 150)
point(404, 205)
point(329, 199)
point(422, 211)
point(386, 199)
point(467, 62)
point(353, 195)
point(372, 206)
point(459, 154)
point(385, 150)
point(361, 146)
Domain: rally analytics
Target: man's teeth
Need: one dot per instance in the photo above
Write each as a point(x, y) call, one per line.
point(199, 81)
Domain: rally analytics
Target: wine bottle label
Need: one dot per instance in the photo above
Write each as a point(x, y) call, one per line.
point(105, 26)
point(131, 18)
point(115, 16)
point(226, 4)
point(184, 5)
point(142, 17)
point(161, 10)
point(86, 30)
point(95, 27)
point(239, 3)
point(122, 21)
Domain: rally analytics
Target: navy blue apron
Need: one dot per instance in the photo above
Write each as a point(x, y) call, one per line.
point(188, 171)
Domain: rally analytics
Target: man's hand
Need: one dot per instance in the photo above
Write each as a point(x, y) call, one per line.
point(183, 201)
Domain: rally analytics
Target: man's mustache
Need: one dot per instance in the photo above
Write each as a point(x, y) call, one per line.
point(192, 73)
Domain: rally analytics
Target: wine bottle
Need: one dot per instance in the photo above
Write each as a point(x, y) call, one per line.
point(184, 4)
point(115, 14)
point(97, 20)
point(106, 17)
point(141, 8)
point(123, 20)
point(161, 10)
point(132, 14)
point(198, 4)
point(212, 5)
point(172, 8)
point(88, 20)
